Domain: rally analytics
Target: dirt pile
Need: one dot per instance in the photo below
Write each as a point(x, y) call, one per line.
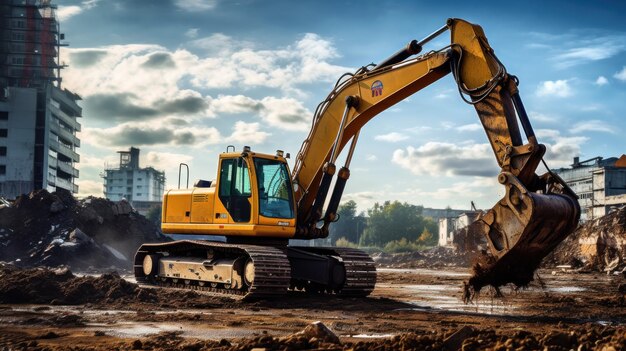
point(62, 287)
point(598, 245)
point(432, 258)
point(583, 337)
point(53, 229)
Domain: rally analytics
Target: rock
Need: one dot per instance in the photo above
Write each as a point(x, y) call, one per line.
point(455, 341)
point(316, 330)
point(137, 344)
point(57, 206)
point(556, 338)
point(122, 207)
point(78, 236)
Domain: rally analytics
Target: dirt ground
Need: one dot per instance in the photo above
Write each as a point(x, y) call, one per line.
point(411, 308)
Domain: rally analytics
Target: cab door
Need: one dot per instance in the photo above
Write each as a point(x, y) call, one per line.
point(234, 192)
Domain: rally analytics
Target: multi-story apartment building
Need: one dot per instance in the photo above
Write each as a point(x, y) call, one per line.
point(38, 119)
point(142, 187)
point(599, 183)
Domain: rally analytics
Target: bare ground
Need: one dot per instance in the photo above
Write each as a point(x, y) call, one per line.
point(410, 309)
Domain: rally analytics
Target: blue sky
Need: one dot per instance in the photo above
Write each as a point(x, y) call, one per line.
point(182, 79)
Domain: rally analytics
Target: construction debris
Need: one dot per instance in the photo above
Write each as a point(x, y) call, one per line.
point(597, 245)
point(53, 229)
point(438, 256)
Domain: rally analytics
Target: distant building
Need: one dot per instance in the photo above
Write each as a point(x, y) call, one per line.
point(142, 187)
point(448, 226)
point(599, 183)
point(437, 213)
point(38, 119)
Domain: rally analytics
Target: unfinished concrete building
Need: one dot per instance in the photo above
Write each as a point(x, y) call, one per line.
point(38, 119)
point(448, 226)
point(599, 183)
point(142, 187)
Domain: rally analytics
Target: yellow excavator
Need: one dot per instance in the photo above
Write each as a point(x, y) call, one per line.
point(258, 205)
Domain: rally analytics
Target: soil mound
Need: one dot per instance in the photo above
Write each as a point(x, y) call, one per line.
point(61, 287)
point(53, 229)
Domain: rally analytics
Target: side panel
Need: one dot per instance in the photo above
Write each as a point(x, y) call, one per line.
point(177, 206)
point(250, 230)
point(202, 205)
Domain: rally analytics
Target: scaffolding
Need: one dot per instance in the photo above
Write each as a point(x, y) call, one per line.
point(30, 43)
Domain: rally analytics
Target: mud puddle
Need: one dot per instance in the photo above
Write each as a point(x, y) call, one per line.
point(438, 290)
point(186, 330)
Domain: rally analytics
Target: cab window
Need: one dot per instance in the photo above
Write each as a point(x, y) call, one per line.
point(275, 194)
point(234, 188)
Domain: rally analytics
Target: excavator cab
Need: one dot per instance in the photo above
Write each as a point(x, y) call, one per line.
point(251, 197)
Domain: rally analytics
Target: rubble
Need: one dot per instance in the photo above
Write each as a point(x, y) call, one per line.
point(597, 245)
point(53, 229)
point(435, 257)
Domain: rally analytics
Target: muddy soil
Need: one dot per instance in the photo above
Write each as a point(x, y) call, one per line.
point(411, 309)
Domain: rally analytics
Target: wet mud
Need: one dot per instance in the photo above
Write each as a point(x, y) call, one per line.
point(411, 309)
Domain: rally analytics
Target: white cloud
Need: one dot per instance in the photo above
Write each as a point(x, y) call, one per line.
point(392, 137)
point(233, 104)
point(66, 12)
point(164, 160)
point(603, 81)
point(542, 117)
point(195, 5)
point(560, 149)
point(435, 158)
point(447, 125)
point(593, 126)
point(94, 162)
point(247, 133)
point(472, 127)
point(88, 187)
point(558, 88)
point(588, 47)
point(219, 44)
point(152, 134)
point(371, 157)
point(124, 68)
point(285, 113)
point(192, 33)
point(621, 75)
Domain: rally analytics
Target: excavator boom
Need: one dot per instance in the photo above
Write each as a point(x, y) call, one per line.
point(536, 213)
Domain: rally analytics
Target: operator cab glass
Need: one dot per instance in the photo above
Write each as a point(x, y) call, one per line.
point(275, 195)
point(235, 190)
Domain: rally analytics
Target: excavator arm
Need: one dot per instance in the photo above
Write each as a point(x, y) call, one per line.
point(536, 213)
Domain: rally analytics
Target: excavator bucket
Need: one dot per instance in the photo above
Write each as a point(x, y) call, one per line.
point(521, 229)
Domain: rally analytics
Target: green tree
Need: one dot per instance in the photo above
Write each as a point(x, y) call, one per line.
point(427, 238)
point(347, 225)
point(393, 221)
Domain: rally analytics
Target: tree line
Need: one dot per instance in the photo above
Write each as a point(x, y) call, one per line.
point(393, 225)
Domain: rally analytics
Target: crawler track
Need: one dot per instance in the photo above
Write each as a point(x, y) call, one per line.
point(272, 270)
